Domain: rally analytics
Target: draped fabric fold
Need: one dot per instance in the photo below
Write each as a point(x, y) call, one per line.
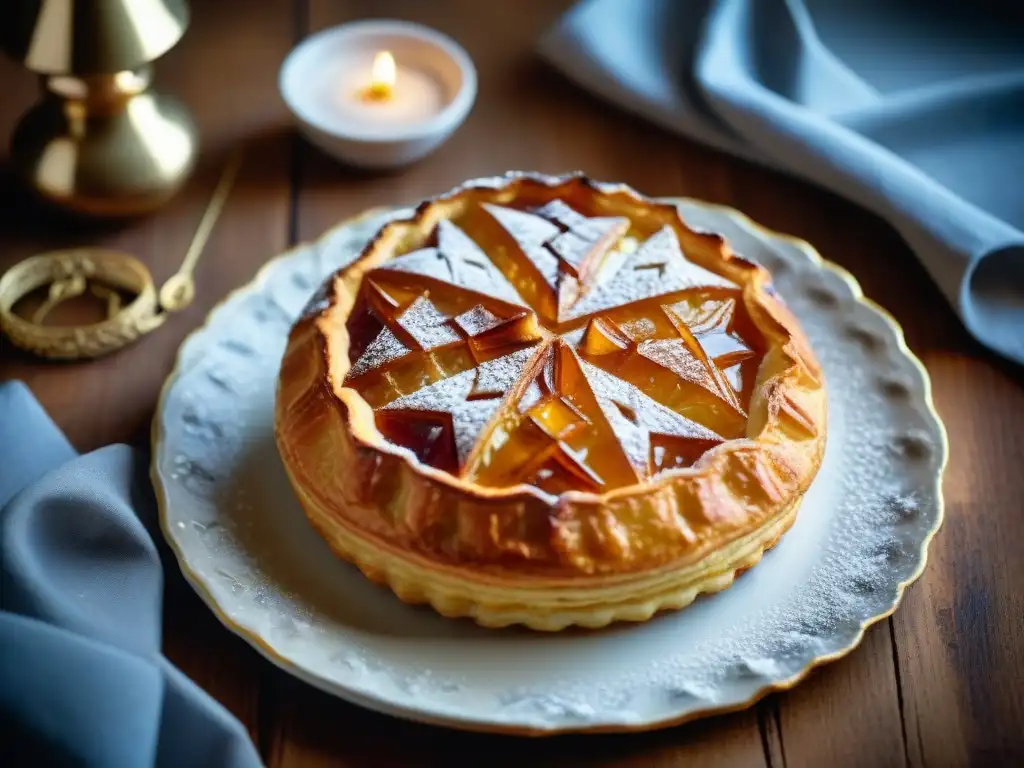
point(913, 110)
point(82, 680)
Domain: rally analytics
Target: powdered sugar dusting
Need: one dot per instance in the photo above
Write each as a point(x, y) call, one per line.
point(582, 237)
point(502, 373)
point(531, 396)
point(658, 267)
point(562, 244)
point(382, 350)
point(675, 355)
point(477, 320)
point(428, 326)
point(459, 261)
point(639, 329)
point(633, 416)
point(579, 245)
point(531, 233)
point(451, 397)
point(859, 536)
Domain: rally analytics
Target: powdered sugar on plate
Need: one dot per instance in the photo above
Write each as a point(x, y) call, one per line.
point(860, 536)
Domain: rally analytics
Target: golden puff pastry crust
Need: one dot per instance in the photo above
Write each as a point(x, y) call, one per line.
point(548, 401)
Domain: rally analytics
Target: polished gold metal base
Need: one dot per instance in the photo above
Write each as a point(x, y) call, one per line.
point(105, 145)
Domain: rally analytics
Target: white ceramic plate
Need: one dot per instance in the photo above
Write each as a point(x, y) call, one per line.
point(242, 540)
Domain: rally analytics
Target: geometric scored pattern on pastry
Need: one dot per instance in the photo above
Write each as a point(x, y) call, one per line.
point(565, 407)
point(545, 381)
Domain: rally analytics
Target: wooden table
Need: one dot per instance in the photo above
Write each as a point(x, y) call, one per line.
point(940, 683)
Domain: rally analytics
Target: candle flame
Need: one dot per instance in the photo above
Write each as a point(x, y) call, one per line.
point(382, 76)
point(383, 70)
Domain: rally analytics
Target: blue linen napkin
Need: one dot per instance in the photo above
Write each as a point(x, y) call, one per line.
point(912, 108)
point(82, 680)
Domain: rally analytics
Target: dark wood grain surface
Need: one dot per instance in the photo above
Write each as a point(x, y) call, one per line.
point(941, 683)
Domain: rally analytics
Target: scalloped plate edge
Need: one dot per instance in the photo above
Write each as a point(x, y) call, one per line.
point(412, 713)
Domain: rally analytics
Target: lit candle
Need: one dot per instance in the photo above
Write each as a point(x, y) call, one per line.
point(383, 74)
point(378, 93)
point(386, 93)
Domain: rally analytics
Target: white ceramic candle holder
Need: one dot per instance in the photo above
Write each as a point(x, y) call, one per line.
point(324, 82)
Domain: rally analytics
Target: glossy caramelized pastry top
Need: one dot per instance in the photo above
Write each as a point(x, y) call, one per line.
point(535, 379)
point(536, 344)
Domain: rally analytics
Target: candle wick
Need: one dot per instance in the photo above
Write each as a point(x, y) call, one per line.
point(377, 92)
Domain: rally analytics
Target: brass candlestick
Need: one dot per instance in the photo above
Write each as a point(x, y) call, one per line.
point(100, 141)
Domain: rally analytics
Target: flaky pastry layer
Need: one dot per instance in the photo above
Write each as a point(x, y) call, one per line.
point(589, 602)
point(517, 555)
